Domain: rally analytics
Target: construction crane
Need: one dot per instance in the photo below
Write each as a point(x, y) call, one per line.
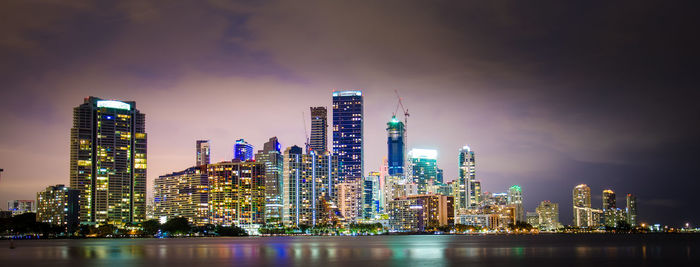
point(405, 111)
point(306, 135)
point(1, 170)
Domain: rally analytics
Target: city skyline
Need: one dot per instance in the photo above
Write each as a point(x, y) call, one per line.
point(536, 118)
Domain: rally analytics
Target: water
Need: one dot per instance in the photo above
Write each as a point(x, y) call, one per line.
point(490, 250)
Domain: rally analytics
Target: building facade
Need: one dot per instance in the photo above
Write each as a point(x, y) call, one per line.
point(203, 152)
point(58, 205)
point(309, 192)
point(108, 161)
point(319, 130)
point(631, 209)
point(421, 212)
point(237, 193)
point(18, 207)
point(515, 199)
point(348, 134)
point(242, 150)
point(182, 194)
point(548, 216)
point(397, 147)
point(466, 196)
point(371, 196)
point(271, 156)
point(423, 168)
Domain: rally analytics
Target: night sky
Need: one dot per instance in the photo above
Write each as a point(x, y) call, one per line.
point(548, 94)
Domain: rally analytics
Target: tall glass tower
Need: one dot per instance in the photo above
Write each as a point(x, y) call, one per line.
point(468, 196)
point(395, 140)
point(271, 156)
point(242, 150)
point(423, 168)
point(108, 161)
point(319, 129)
point(348, 134)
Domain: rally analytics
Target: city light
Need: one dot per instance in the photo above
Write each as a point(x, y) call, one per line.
point(113, 104)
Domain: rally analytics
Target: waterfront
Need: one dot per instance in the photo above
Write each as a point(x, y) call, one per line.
point(419, 250)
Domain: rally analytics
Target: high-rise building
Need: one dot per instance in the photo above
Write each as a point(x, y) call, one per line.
point(203, 152)
point(348, 117)
point(242, 150)
point(532, 218)
point(467, 196)
point(108, 161)
point(309, 182)
point(515, 198)
point(608, 199)
point(423, 168)
point(58, 205)
point(182, 194)
point(18, 207)
point(319, 130)
point(548, 216)
point(421, 212)
point(349, 200)
point(584, 215)
point(371, 196)
point(397, 146)
point(237, 193)
point(631, 209)
point(271, 156)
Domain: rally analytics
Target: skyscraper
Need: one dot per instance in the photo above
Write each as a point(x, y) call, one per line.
point(631, 209)
point(348, 134)
point(423, 168)
point(548, 216)
point(309, 182)
point(608, 199)
point(584, 215)
point(515, 199)
point(271, 156)
point(397, 148)
point(582, 196)
point(108, 161)
point(319, 129)
point(467, 196)
point(242, 150)
point(203, 152)
point(371, 195)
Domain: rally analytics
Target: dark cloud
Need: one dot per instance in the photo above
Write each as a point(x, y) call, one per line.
point(549, 95)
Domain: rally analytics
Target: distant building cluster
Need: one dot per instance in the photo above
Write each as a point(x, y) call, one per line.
point(289, 187)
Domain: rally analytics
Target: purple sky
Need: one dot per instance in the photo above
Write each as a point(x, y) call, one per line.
point(549, 96)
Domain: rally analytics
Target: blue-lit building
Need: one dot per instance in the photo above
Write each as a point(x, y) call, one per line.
point(397, 146)
point(242, 150)
point(348, 134)
point(371, 194)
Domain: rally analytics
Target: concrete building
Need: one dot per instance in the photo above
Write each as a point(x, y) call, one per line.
point(18, 207)
point(237, 193)
point(58, 205)
point(548, 216)
point(421, 212)
point(203, 153)
point(108, 161)
point(349, 200)
point(467, 195)
point(631, 209)
point(319, 130)
point(182, 194)
point(515, 198)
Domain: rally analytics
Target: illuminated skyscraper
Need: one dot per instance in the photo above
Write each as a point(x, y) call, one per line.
point(548, 216)
point(58, 205)
point(237, 193)
point(371, 196)
point(631, 209)
point(467, 196)
point(610, 211)
point(515, 199)
point(182, 194)
point(397, 147)
point(309, 182)
point(271, 156)
point(584, 215)
point(319, 129)
point(608, 200)
point(348, 135)
point(242, 150)
point(108, 161)
point(423, 168)
point(203, 152)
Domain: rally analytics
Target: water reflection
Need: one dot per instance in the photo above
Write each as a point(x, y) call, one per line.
point(354, 251)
